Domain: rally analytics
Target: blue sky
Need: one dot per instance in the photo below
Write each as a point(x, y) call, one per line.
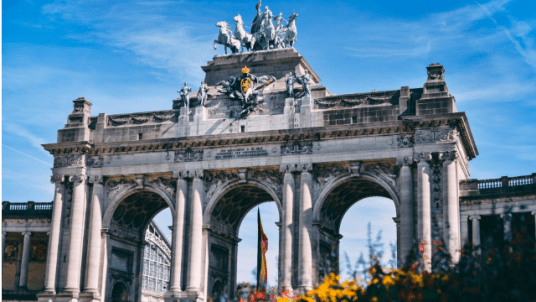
point(130, 56)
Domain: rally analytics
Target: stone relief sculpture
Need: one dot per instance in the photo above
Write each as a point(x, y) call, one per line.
point(226, 38)
point(247, 88)
point(202, 94)
point(185, 95)
point(74, 160)
point(306, 80)
point(290, 79)
point(263, 35)
point(435, 135)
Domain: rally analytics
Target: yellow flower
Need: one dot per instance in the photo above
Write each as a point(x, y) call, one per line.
point(375, 281)
point(388, 281)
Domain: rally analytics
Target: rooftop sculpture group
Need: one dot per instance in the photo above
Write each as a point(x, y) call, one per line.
point(264, 35)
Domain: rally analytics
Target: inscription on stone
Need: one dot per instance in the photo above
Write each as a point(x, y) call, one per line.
point(241, 153)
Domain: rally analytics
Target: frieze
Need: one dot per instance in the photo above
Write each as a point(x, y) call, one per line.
point(188, 155)
point(355, 101)
point(435, 135)
point(69, 161)
point(97, 161)
point(140, 118)
point(297, 147)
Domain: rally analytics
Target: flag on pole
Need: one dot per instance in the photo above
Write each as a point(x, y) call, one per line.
point(262, 247)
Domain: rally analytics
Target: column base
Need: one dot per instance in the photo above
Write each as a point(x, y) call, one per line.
point(58, 297)
point(303, 290)
point(183, 296)
point(90, 296)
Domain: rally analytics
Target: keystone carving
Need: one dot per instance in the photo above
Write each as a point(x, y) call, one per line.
point(296, 147)
point(188, 155)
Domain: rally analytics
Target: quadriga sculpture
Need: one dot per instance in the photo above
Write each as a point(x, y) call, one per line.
point(226, 38)
point(246, 40)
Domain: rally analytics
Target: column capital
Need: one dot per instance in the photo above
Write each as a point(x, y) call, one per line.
point(396, 220)
point(77, 179)
point(405, 161)
point(188, 174)
point(473, 217)
point(448, 156)
point(57, 179)
point(96, 179)
point(26, 233)
point(4, 233)
point(422, 157)
point(105, 232)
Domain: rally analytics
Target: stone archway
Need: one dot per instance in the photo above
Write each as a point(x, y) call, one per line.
point(127, 219)
point(333, 203)
point(225, 213)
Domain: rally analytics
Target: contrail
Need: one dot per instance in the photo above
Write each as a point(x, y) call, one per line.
point(44, 162)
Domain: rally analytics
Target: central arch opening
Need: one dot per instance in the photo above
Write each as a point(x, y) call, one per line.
point(232, 210)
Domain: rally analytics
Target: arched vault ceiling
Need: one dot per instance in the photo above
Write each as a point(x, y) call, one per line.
point(136, 209)
point(341, 198)
point(234, 204)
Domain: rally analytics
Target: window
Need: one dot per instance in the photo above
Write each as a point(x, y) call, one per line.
point(242, 128)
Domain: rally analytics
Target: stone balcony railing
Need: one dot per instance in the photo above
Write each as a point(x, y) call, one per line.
point(503, 185)
point(28, 209)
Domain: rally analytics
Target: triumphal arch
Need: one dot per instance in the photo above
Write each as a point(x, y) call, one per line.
point(259, 128)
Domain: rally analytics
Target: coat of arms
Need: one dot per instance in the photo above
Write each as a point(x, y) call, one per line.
point(247, 88)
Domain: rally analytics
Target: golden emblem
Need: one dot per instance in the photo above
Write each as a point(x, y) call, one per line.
point(245, 70)
point(246, 84)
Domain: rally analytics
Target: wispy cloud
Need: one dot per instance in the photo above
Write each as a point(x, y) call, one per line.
point(27, 155)
point(143, 29)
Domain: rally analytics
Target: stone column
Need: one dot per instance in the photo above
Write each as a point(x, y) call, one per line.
point(305, 258)
point(475, 219)
point(464, 230)
point(507, 217)
point(94, 244)
point(74, 263)
point(178, 234)
point(451, 200)
point(407, 223)
point(54, 239)
point(195, 245)
point(424, 214)
point(25, 260)
point(287, 229)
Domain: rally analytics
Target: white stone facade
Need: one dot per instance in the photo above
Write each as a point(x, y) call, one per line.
point(314, 156)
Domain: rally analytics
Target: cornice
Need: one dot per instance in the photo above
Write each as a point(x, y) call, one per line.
point(405, 126)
